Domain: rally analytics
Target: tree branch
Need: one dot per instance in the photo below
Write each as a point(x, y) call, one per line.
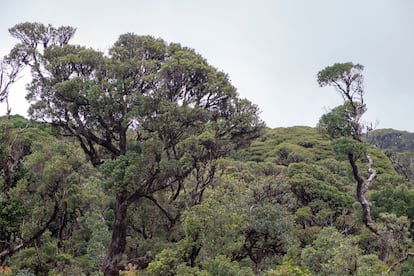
point(26, 242)
point(403, 259)
point(163, 210)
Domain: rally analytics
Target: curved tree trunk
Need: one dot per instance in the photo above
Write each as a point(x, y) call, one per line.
point(362, 188)
point(111, 265)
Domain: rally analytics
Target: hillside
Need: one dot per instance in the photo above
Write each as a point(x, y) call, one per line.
point(278, 205)
point(391, 139)
point(148, 162)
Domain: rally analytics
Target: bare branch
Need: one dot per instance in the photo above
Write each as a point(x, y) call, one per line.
point(163, 210)
point(9, 72)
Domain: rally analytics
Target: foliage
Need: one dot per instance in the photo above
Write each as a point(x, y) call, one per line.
point(269, 233)
point(165, 263)
point(391, 139)
point(223, 266)
point(151, 113)
point(370, 265)
point(398, 200)
point(290, 267)
point(330, 254)
point(339, 122)
point(304, 199)
point(346, 77)
point(344, 147)
point(312, 182)
point(147, 161)
point(406, 268)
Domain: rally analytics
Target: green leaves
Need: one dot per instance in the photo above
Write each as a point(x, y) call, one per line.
point(32, 34)
point(159, 124)
point(311, 184)
point(142, 82)
point(341, 121)
point(344, 147)
point(344, 120)
point(11, 214)
point(340, 72)
point(149, 113)
point(223, 266)
point(330, 254)
point(269, 232)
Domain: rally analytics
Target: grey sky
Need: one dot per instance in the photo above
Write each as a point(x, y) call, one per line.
point(272, 50)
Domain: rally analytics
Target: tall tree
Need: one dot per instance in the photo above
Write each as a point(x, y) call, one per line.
point(269, 233)
point(344, 122)
point(345, 126)
point(148, 113)
point(348, 81)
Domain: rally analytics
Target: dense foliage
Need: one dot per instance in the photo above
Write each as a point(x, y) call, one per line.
point(273, 207)
point(395, 140)
point(154, 130)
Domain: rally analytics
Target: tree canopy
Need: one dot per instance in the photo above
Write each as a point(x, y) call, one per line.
point(150, 112)
point(144, 160)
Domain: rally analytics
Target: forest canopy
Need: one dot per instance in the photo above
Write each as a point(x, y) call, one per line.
point(144, 160)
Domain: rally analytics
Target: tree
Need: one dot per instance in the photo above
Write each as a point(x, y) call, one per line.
point(331, 254)
point(16, 143)
point(345, 121)
point(37, 203)
point(344, 125)
point(269, 233)
point(348, 81)
point(148, 113)
point(341, 122)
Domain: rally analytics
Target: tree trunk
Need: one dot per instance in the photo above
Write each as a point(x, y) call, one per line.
point(362, 188)
point(111, 264)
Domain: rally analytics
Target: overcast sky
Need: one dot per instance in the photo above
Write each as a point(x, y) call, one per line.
point(272, 50)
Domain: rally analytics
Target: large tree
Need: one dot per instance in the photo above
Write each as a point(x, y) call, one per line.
point(345, 126)
point(148, 113)
point(344, 123)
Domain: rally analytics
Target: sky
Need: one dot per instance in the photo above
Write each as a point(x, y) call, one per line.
point(272, 50)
